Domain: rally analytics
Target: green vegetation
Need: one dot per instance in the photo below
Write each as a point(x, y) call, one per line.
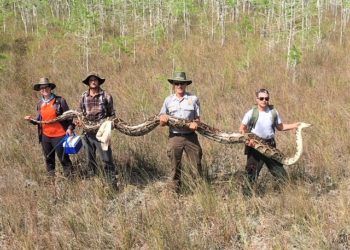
point(297, 49)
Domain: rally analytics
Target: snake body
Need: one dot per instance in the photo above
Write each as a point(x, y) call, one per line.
point(203, 129)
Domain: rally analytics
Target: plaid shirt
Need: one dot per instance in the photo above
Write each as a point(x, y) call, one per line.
point(98, 107)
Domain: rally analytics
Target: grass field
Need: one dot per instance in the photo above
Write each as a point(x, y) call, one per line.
point(311, 211)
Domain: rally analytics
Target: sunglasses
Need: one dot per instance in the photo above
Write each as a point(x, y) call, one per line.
point(264, 98)
point(179, 83)
point(44, 87)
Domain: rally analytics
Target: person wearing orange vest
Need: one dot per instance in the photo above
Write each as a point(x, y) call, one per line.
point(51, 135)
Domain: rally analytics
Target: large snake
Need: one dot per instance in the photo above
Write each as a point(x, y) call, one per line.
point(205, 130)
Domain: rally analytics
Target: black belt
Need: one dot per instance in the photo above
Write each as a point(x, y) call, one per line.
point(182, 134)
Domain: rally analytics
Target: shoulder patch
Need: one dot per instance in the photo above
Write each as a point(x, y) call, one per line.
point(190, 102)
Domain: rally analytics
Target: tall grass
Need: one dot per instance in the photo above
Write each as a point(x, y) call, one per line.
point(309, 212)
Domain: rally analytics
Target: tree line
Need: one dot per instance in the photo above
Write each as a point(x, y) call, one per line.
point(292, 24)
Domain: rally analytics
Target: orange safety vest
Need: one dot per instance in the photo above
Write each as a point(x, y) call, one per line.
point(48, 112)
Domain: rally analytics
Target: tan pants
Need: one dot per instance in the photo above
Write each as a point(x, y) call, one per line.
point(190, 144)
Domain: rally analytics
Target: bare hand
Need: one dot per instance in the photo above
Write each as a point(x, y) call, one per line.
point(78, 123)
point(28, 117)
point(69, 132)
point(250, 143)
point(193, 126)
point(296, 125)
point(163, 119)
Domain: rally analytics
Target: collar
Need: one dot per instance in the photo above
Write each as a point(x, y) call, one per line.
point(48, 100)
point(185, 97)
point(99, 93)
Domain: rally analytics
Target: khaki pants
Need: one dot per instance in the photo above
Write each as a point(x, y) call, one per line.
point(176, 146)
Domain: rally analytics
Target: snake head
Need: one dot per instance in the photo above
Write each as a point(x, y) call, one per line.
point(304, 125)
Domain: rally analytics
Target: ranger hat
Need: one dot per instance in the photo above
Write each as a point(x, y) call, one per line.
point(180, 77)
point(100, 79)
point(44, 81)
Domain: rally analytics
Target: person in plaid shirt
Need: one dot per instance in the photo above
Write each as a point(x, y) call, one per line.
point(96, 105)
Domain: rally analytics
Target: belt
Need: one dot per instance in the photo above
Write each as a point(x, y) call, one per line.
point(182, 134)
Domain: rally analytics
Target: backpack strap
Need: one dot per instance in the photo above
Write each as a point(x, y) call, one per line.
point(255, 116)
point(83, 101)
point(274, 117)
point(58, 105)
point(253, 119)
point(38, 105)
point(103, 101)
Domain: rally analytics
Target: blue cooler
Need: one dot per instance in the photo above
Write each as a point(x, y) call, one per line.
point(72, 144)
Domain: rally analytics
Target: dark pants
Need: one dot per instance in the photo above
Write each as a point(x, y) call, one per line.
point(50, 149)
point(91, 144)
point(176, 146)
point(256, 160)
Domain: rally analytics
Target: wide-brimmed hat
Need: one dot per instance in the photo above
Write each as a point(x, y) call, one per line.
point(42, 82)
point(100, 79)
point(180, 77)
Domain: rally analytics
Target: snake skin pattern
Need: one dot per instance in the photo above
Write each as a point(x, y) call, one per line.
point(203, 129)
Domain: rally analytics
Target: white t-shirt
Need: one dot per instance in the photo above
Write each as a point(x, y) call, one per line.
point(264, 125)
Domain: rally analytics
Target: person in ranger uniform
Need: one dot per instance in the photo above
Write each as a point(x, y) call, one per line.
point(183, 105)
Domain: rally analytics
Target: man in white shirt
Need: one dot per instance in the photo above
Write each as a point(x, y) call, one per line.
point(262, 121)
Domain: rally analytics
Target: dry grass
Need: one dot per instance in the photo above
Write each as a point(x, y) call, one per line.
point(310, 212)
